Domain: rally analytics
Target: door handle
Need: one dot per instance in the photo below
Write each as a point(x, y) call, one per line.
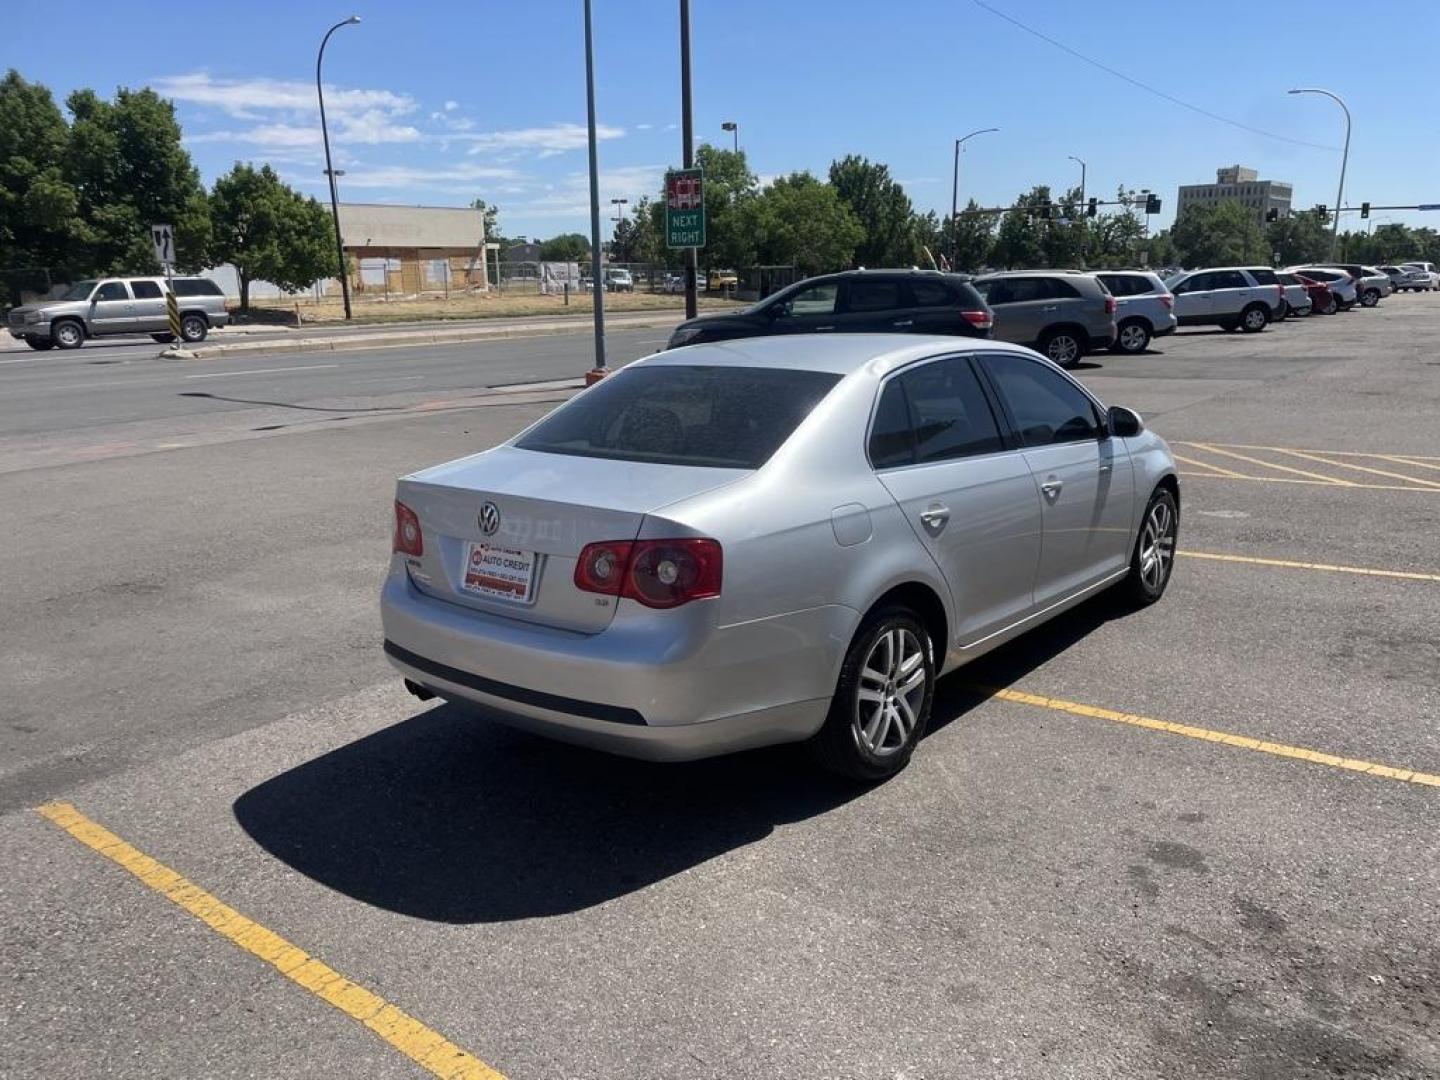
point(1052, 487)
point(935, 517)
point(904, 322)
point(819, 328)
point(1105, 466)
point(1051, 307)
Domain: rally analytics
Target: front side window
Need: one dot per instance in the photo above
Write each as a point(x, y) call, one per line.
point(720, 417)
point(145, 290)
point(112, 290)
point(1047, 408)
point(816, 300)
point(81, 290)
point(1195, 283)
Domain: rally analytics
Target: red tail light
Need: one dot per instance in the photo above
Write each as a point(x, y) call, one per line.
point(1110, 305)
point(1168, 300)
point(981, 320)
point(657, 573)
point(408, 538)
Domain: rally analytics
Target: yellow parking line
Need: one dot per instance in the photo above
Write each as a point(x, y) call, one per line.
point(422, 1045)
point(1411, 460)
point(1361, 468)
point(1342, 453)
point(1316, 483)
point(1291, 565)
point(1270, 464)
point(1243, 742)
point(1206, 465)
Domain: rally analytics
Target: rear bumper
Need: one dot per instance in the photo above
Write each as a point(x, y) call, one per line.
point(1164, 331)
point(652, 685)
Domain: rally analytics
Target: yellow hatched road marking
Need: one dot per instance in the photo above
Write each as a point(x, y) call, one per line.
point(1341, 453)
point(422, 1045)
point(1411, 460)
point(1360, 468)
point(1243, 742)
point(1206, 465)
point(1315, 483)
point(1292, 565)
point(1270, 464)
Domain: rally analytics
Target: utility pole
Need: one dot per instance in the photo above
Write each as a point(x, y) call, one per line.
point(1344, 159)
point(734, 128)
point(1072, 157)
point(688, 136)
point(597, 283)
point(955, 190)
point(330, 172)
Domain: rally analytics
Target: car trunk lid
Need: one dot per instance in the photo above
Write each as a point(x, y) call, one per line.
point(502, 530)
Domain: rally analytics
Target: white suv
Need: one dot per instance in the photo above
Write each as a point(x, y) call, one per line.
point(1231, 297)
point(1145, 308)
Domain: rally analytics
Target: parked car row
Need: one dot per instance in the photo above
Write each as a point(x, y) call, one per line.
point(1063, 314)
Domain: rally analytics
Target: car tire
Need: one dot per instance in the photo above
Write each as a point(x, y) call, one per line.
point(1132, 337)
point(68, 334)
point(874, 724)
point(1153, 558)
point(1254, 318)
point(163, 339)
point(1284, 311)
point(1065, 347)
point(1370, 297)
point(40, 344)
point(1331, 305)
point(193, 328)
point(1228, 325)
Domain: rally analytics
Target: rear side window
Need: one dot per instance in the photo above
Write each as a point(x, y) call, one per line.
point(949, 413)
point(1126, 284)
point(892, 442)
point(1263, 276)
point(197, 287)
point(931, 294)
point(862, 296)
point(1047, 408)
point(145, 290)
point(721, 417)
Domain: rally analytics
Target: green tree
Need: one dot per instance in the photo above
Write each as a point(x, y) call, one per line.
point(800, 221)
point(1299, 238)
point(40, 222)
point(567, 247)
point(1162, 250)
point(269, 232)
point(1225, 234)
point(730, 187)
point(492, 221)
point(126, 160)
point(968, 240)
point(1020, 242)
point(881, 207)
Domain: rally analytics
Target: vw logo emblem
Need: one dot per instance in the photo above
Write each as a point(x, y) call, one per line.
point(489, 519)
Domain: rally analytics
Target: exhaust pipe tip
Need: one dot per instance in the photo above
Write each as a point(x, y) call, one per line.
point(421, 692)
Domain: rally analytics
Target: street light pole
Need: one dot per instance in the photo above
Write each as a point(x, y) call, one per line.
point(597, 284)
point(1344, 159)
point(1072, 157)
point(329, 168)
point(955, 189)
point(734, 128)
point(688, 140)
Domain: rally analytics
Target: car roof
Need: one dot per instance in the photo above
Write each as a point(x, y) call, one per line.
point(1037, 273)
point(840, 354)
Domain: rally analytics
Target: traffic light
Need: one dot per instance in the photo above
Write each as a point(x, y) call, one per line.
point(1321, 209)
point(1273, 214)
point(1364, 209)
point(1090, 209)
point(1152, 204)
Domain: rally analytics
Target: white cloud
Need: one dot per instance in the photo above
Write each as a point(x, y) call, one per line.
point(450, 178)
point(643, 127)
point(451, 106)
point(570, 197)
point(546, 141)
point(247, 99)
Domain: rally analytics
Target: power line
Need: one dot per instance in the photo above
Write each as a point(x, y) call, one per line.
point(1146, 86)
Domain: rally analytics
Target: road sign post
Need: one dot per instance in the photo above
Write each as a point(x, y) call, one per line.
point(685, 208)
point(162, 238)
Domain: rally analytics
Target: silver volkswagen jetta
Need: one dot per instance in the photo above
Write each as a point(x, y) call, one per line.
point(772, 540)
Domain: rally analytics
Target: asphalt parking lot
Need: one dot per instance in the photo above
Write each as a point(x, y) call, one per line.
point(1202, 840)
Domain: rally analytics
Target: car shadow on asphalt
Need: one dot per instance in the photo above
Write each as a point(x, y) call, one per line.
point(449, 817)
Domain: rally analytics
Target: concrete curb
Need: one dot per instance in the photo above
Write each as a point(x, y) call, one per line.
point(434, 336)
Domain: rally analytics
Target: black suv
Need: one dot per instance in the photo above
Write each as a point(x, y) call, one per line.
point(853, 302)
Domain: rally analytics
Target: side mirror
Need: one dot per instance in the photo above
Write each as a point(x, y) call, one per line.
point(775, 311)
point(1124, 423)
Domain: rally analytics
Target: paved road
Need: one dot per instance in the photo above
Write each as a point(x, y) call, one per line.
point(1059, 885)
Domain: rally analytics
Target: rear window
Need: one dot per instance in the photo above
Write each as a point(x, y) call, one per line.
point(931, 294)
point(1263, 276)
point(721, 417)
point(145, 290)
point(197, 287)
point(862, 296)
point(1127, 284)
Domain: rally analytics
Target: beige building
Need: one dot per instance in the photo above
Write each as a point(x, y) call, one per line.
point(1235, 183)
point(405, 250)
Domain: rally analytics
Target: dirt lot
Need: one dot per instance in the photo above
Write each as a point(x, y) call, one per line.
point(372, 309)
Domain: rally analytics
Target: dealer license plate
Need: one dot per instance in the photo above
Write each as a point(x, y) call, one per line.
point(500, 573)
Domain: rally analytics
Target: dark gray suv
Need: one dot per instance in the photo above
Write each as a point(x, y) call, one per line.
point(1061, 313)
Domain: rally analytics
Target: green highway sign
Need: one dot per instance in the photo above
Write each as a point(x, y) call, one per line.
point(685, 208)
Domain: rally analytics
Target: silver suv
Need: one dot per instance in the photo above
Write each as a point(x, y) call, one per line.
point(1248, 298)
point(1146, 309)
point(102, 306)
point(1062, 313)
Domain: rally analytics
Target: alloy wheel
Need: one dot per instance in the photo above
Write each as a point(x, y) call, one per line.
point(890, 693)
point(1254, 319)
point(68, 335)
point(1063, 349)
point(1157, 546)
point(1133, 337)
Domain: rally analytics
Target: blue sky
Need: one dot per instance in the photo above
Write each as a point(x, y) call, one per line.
point(438, 103)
